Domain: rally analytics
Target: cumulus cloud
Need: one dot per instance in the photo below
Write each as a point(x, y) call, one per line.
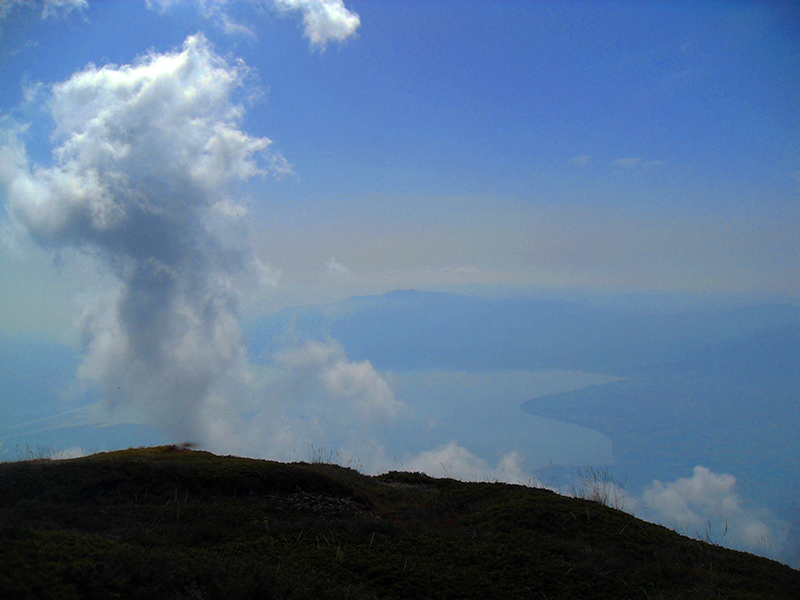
point(340, 389)
point(312, 394)
point(324, 20)
point(454, 460)
point(147, 157)
point(148, 164)
point(708, 504)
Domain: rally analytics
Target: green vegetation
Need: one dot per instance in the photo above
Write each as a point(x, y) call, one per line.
point(169, 522)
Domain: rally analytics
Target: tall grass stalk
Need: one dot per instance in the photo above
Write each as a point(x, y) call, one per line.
point(321, 456)
point(598, 485)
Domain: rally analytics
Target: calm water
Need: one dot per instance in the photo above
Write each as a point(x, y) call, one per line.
point(481, 410)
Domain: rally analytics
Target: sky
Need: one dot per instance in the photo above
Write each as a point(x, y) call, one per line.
point(170, 170)
point(610, 147)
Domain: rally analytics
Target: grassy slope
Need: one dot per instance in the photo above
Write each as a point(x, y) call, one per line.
point(159, 523)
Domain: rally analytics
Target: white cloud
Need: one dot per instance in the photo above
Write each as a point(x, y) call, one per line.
point(160, 4)
point(311, 397)
point(229, 209)
point(707, 504)
point(61, 7)
point(50, 8)
point(324, 20)
point(232, 27)
point(581, 161)
point(146, 158)
point(336, 269)
point(338, 387)
point(453, 460)
point(210, 9)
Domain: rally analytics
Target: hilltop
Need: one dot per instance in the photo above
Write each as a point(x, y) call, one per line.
point(169, 522)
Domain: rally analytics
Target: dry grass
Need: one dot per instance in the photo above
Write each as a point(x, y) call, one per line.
point(158, 523)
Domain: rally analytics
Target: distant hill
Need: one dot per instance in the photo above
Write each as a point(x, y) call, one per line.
point(413, 330)
point(172, 523)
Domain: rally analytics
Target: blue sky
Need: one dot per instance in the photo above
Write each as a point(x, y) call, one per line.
point(611, 147)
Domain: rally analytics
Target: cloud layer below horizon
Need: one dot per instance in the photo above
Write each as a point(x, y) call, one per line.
point(708, 505)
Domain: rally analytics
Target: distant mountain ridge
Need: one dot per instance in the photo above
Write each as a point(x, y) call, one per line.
point(412, 330)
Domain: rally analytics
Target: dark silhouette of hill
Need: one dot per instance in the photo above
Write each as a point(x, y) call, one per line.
point(172, 523)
